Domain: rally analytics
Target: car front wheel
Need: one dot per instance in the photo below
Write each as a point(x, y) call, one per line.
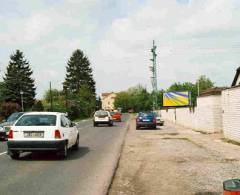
point(14, 154)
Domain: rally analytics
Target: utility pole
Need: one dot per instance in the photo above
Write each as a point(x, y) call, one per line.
point(21, 93)
point(153, 69)
point(51, 103)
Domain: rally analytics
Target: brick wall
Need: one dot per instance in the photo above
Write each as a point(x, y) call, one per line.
point(231, 113)
point(207, 116)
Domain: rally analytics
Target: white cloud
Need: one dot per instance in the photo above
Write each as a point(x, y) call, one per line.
point(200, 37)
point(44, 22)
point(184, 52)
point(213, 15)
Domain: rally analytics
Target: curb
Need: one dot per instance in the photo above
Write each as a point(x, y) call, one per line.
point(106, 192)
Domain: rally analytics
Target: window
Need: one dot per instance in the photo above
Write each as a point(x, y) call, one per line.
point(14, 116)
point(37, 120)
point(68, 122)
point(64, 122)
point(101, 113)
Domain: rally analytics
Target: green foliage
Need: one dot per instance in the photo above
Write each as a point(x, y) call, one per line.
point(204, 83)
point(98, 103)
point(186, 86)
point(7, 108)
point(83, 103)
point(19, 78)
point(79, 86)
point(38, 106)
point(79, 73)
point(2, 91)
point(136, 98)
point(58, 100)
point(124, 101)
point(56, 95)
point(160, 98)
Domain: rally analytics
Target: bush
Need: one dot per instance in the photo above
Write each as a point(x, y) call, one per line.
point(7, 108)
point(74, 112)
point(38, 106)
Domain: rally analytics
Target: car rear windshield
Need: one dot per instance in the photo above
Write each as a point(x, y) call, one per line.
point(101, 113)
point(145, 114)
point(37, 120)
point(14, 116)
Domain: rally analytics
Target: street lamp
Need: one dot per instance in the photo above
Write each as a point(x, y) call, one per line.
point(21, 93)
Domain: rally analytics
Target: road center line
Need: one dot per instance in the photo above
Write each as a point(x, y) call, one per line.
point(3, 153)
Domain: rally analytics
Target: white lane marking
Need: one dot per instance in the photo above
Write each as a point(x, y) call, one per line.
point(3, 153)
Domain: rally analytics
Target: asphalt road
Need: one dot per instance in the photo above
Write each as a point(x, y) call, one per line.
point(87, 171)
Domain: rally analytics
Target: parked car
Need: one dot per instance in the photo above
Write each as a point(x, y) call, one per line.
point(102, 117)
point(116, 116)
point(42, 131)
point(146, 119)
point(160, 121)
point(6, 125)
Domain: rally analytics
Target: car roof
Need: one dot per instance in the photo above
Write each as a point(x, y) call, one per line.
point(43, 113)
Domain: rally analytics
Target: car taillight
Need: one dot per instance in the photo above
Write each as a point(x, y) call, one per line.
point(57, 134)
point(10, 135)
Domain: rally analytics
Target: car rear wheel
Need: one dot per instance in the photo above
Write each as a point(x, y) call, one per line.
point(63, 153)
point(76, 145)
point(14, 155)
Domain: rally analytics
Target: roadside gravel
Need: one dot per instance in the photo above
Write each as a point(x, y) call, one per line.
point(174, 160)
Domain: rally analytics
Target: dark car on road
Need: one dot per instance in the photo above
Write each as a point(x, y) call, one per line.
point(6, 124)
point(146, 119)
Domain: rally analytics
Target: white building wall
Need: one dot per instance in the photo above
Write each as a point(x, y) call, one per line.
point(206, 117)
point(231, 113)
point(108, 102)
point(238, 81)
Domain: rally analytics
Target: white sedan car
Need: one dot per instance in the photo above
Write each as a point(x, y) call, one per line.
point(102, 117)
point(42, 131)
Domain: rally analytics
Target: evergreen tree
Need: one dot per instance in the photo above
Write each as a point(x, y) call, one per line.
point(79, 73)
point(2, 91)
point(19, 78)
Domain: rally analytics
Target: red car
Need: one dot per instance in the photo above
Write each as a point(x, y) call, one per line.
point(116, 116)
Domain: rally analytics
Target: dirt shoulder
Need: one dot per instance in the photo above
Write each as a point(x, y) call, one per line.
point(174, 160)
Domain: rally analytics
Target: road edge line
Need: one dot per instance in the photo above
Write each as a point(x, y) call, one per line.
point(118, 158)
point(3, 153)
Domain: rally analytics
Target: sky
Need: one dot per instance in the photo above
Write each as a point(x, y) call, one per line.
point(193, 38)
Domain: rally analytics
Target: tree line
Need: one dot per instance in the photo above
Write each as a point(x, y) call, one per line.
point(77, 96)
point(139, 99)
